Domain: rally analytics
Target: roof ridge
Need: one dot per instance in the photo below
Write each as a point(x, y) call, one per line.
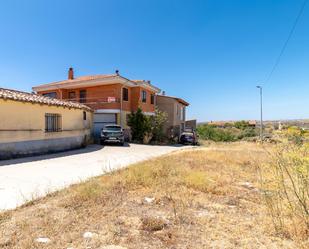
point(80, 78)
point(14, 90)
point(35, 98)
point(181, 100)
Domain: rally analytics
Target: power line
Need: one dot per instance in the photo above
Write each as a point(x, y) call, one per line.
point(288, 39)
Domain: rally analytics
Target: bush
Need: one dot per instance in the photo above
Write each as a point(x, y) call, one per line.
point(152, 224)
point(230, 132)
point(248, 132)
point(209, 132)
point(296, 135)
point(147, 128)
point(242, 125)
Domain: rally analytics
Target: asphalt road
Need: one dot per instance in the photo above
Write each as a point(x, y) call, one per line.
point(24, 179)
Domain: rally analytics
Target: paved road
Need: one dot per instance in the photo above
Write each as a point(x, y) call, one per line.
point(24, 179)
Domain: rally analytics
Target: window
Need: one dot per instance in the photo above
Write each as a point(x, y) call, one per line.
point(125, 94)
point(144, 96)
point(182, 113)
point(152, 99)
point(72, 95)
point(50, 95)
point(82, 96)
point(84, 115)
point(52, 122)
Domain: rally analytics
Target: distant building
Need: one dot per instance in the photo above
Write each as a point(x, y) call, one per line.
point(32, 124)
point(176, 110)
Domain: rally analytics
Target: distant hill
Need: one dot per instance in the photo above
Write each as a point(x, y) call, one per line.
point(303, 123)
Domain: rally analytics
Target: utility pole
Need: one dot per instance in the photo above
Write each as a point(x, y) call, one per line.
point(261, 120)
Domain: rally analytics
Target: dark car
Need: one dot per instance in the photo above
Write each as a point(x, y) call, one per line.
point(112, 134)
point(188, 137)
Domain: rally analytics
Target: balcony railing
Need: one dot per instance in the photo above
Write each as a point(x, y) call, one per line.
point(94, 101)
point(98, 103)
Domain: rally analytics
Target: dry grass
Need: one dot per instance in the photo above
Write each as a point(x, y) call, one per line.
point(286, 189)
point(203, 198)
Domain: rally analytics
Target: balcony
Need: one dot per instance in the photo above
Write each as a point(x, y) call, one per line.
point(98, 103)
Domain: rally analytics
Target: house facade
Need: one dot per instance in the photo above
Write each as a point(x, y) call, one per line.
point(33, 124)
point(176, 111)
point(112, 97)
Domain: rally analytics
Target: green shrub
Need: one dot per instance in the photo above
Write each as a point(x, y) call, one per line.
point(209, 132)
point(139, 125)
point(147, 128)
point(248, 132)
point(242, 125)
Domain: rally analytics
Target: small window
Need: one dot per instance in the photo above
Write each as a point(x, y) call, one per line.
point(50, 95)
point(182, 113)
point(52, 122)
point(72, 95)
point(152, 98)
point(144, 96)
point(125, 94)
point(84, 115)
point(82, 96)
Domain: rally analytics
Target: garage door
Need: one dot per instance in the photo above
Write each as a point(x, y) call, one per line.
point(101, 119)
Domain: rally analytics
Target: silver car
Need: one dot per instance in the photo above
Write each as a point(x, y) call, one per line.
point(112, 134)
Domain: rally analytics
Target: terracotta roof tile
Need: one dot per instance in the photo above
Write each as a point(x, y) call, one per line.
point(34, 98)
point(82, 78)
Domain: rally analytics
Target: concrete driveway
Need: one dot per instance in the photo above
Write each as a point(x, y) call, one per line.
point(24, 179)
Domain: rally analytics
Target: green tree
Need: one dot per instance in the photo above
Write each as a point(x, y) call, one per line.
point(147, 128)
point(156, 125)
point(139, 125)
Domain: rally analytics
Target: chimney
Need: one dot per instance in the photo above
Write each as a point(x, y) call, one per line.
point(71, 74)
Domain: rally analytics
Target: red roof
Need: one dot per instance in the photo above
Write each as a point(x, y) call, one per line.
point(78, 79)
point(85, 79)
point(35, 98)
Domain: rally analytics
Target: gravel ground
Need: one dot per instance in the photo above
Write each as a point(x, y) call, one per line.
point(24, 179)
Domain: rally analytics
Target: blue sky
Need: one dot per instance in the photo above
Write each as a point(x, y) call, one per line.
point(210, 52)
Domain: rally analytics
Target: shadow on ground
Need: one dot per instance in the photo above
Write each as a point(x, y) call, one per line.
point(88, 149)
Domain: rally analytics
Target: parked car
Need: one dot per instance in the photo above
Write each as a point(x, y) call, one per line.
point(112, 134)
point(188, 137)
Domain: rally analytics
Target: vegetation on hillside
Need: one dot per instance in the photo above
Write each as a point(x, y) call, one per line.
point(229, 133)
point(295, 135)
